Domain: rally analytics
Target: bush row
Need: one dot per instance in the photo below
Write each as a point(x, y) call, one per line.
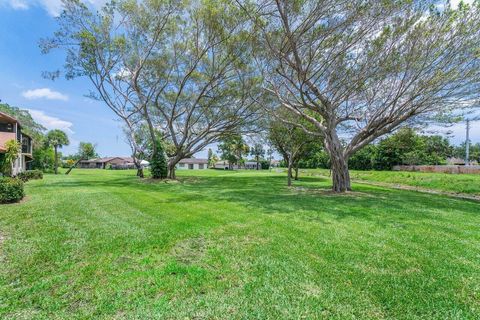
point(11, 190)
point(30, 175)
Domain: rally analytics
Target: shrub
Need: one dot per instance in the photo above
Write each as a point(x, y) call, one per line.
point(30, 175)
point(158, 163)
point(11, 190)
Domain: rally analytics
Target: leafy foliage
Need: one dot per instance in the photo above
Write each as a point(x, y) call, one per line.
point(12, 150)
point(158, 162)
point(11, 190)
point(30, 175)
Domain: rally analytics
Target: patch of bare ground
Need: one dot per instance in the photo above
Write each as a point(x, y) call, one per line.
point(191, 250)
point(25, 199)
point(159, 181)
point(329, 192)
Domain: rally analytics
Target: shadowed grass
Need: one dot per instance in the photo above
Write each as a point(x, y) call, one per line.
point(235, 245)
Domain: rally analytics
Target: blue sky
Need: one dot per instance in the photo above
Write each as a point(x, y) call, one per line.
point(55, 104)
point(61, 104)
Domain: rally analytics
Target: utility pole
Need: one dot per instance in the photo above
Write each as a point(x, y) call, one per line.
point(467, 145)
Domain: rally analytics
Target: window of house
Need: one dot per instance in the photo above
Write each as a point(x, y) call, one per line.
point(200, 166)
point(6, 127)
point(181, 165)
point(190, 166)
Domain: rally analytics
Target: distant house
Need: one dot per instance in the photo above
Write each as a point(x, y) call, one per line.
point(455, 161)
point(113, 162)
point(252, 165)
point(192, 164)
point(225, 165)
point(11, 129)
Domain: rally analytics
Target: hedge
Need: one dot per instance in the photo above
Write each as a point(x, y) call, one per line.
point(11, 190)
point(30, 175)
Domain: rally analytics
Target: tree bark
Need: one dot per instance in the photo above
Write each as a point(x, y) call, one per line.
point(56, 159)
point(171, 168)
point(289, 173)
point(296, 172)
point(74, 165)
point(339, 163)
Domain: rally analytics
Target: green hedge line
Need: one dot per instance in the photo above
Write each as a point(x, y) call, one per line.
point(30, 175)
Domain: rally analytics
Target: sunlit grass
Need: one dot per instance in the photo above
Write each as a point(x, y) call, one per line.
point(235, 245)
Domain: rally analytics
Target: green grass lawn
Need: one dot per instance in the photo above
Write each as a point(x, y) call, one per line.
point(235, 245)
point(456, 183)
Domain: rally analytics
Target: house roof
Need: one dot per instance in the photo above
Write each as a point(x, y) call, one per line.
point(194, 161)
point(8, 117)
point(108, 159)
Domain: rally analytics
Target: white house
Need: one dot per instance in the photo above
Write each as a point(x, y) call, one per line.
point(192, 164)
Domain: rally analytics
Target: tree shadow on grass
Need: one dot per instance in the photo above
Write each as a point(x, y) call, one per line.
point(310, 198)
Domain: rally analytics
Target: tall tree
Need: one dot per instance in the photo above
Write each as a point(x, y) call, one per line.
point(258, 152)
point(56, 139)
point(360, 69)
point(181, 67)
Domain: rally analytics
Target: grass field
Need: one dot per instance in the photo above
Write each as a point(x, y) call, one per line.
point(235, 245)
point(455, 183)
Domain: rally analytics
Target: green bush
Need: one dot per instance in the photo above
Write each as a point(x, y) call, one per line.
point(11, 190)
point(30, 175)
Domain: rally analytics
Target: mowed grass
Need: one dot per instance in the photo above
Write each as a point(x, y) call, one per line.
point(235, 245)
point(454, 183)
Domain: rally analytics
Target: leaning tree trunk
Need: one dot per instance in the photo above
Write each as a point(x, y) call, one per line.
point(56, 159)
point(339, 163)
point(74, 165)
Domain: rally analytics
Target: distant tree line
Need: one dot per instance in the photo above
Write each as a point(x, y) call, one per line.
point(405, 147)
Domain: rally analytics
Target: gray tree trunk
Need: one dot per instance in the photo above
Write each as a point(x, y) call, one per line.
point(339, 163)
point(56, 159)
point(296, 173)
point(289, 173)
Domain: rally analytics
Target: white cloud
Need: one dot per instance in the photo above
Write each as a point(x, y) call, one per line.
point(53, 7)
point(19, 4)
point(50, 122)
point(46, 93)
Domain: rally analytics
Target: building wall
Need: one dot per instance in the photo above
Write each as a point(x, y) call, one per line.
point(191, 166)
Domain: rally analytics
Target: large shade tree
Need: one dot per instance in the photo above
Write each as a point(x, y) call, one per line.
point(359, 69)
point(179, 67)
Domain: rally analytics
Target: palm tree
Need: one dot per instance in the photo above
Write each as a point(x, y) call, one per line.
point(57, 139)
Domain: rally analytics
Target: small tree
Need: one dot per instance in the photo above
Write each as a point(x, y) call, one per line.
point(258, 152)
point(57, 139)
point(291, 141)
point(158, 163)
point(12, 149)
point(233, 148)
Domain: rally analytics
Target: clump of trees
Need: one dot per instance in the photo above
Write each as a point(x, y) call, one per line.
point(196, 72)
point(404, 147)
point(181, 69)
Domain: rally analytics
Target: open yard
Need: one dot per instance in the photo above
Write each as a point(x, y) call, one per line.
point(235, 245)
